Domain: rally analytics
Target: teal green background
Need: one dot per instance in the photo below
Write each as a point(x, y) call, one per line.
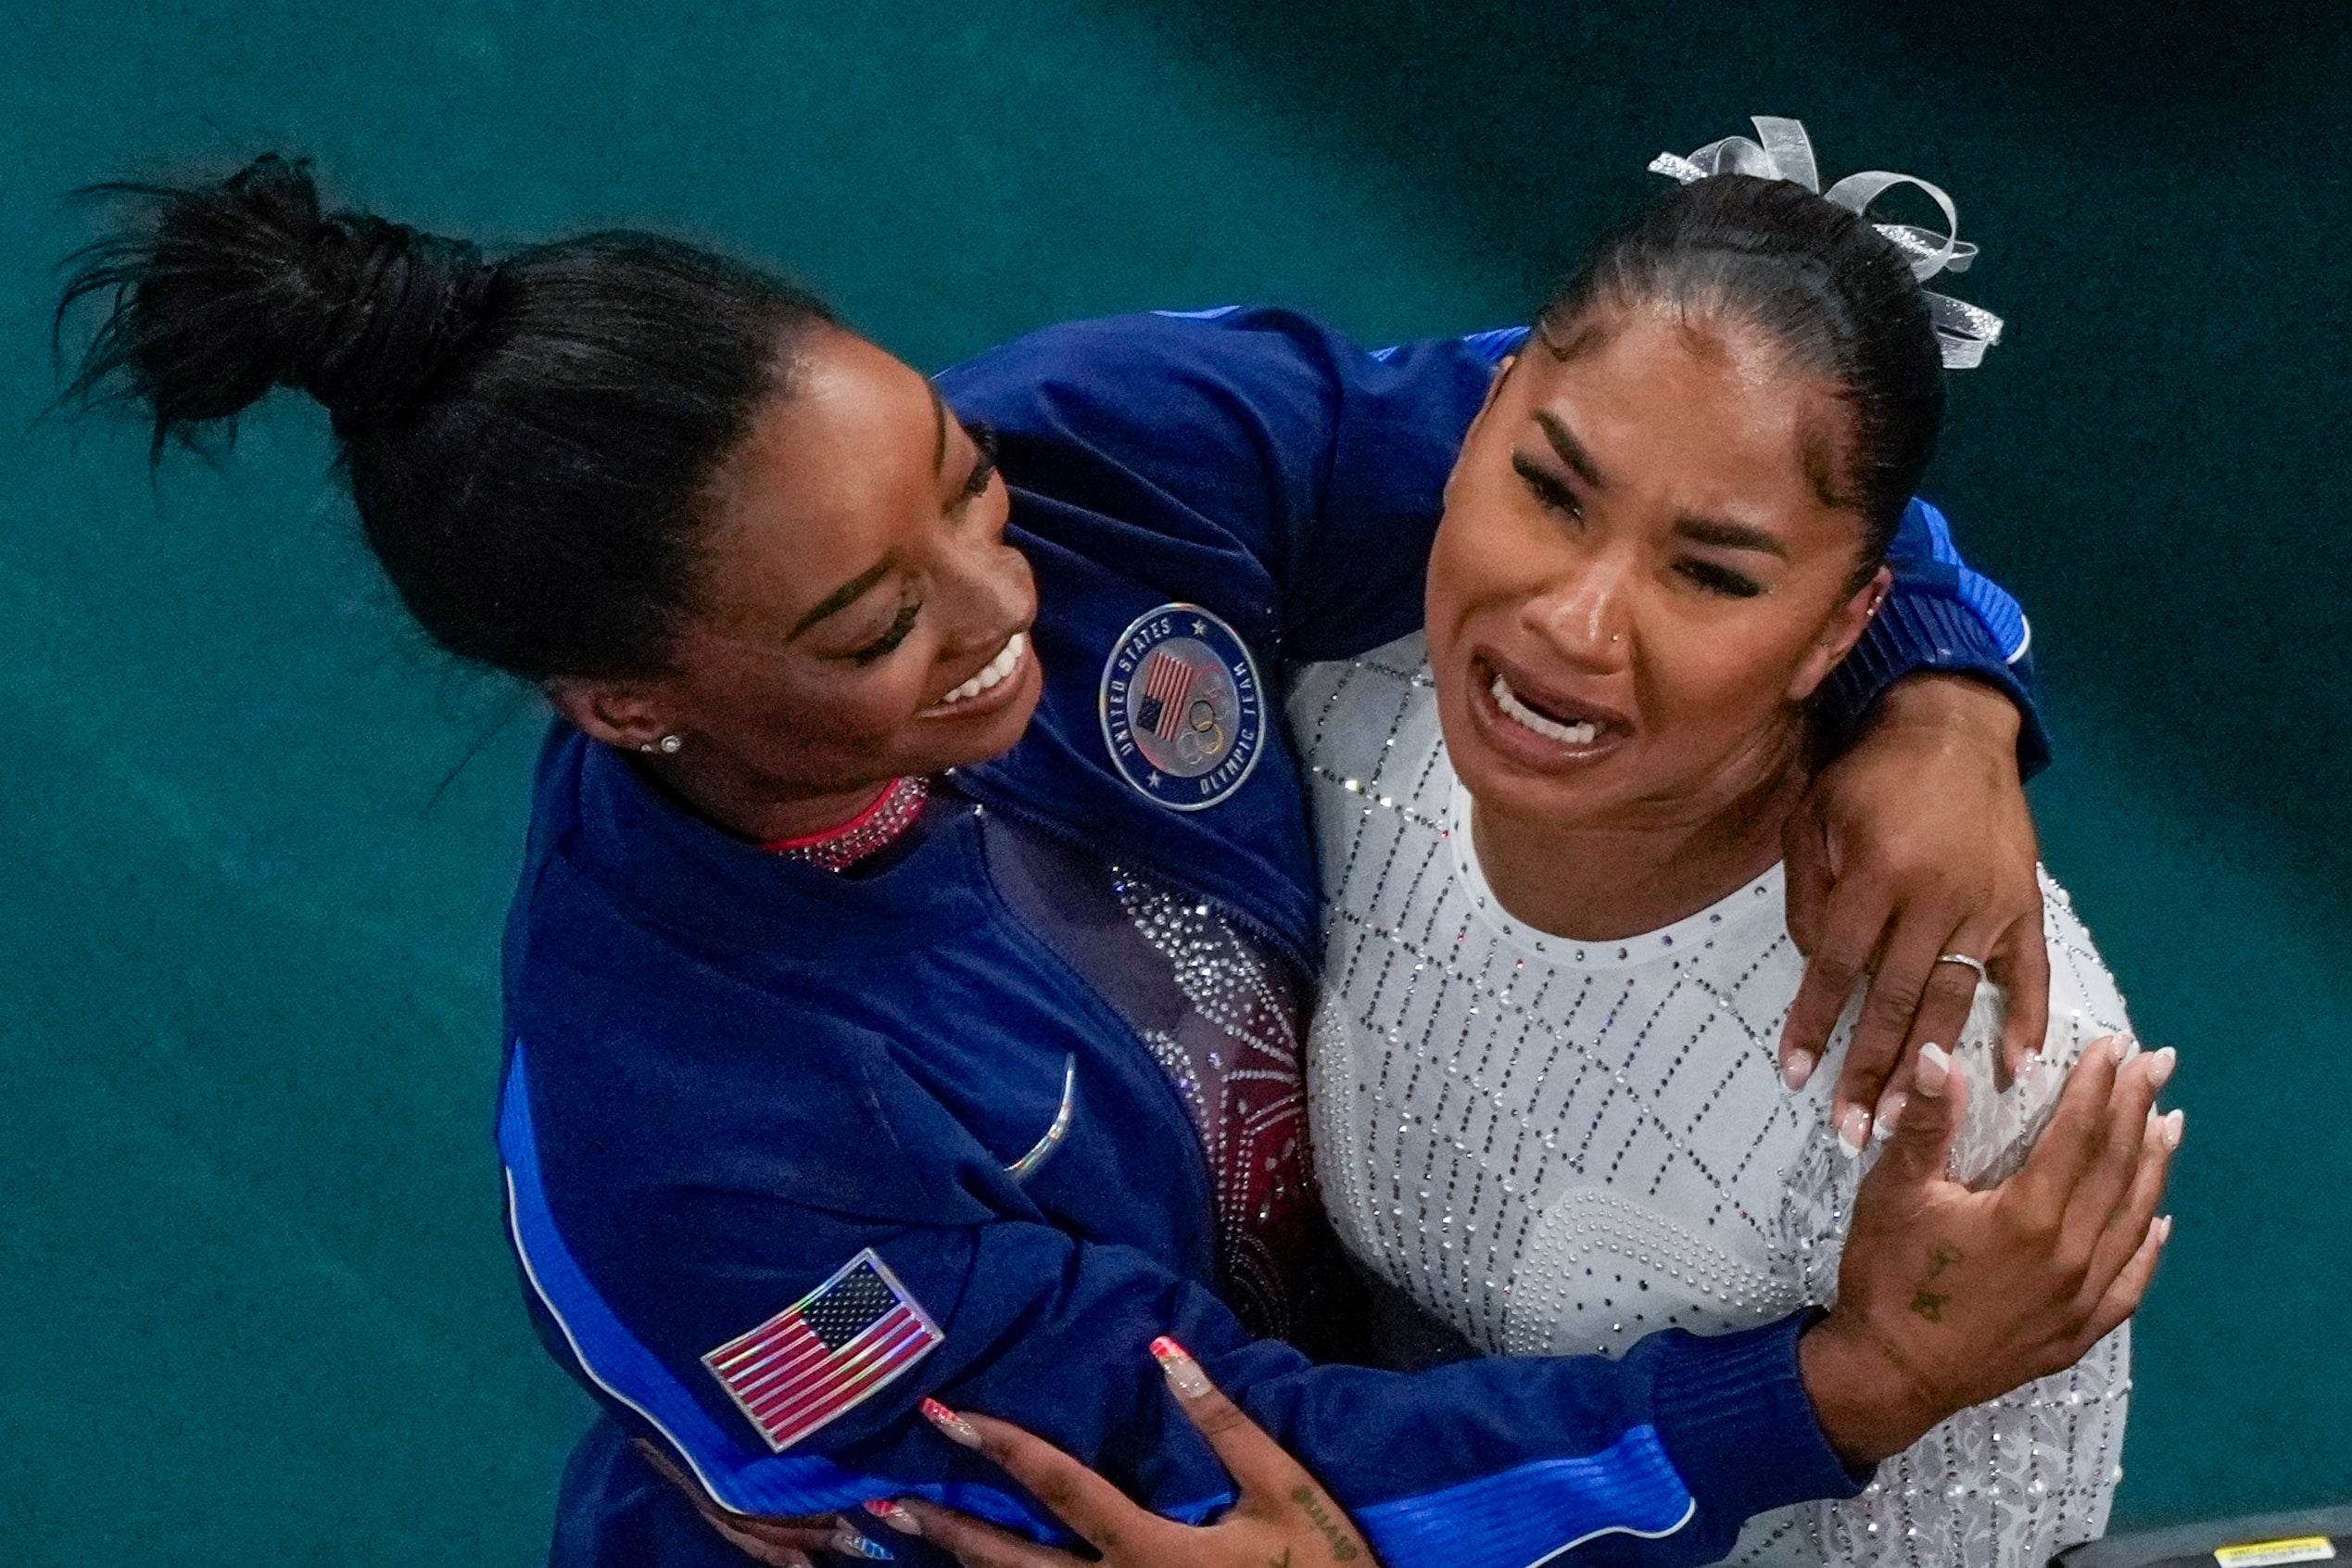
point(255, 838)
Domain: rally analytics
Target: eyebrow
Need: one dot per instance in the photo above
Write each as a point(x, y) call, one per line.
point(1572, 452)
point(938, 415)
point(1730, 536)
point(847, 594)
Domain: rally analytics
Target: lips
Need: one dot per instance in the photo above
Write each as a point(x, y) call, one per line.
point(1541, 726)
point(997, 676)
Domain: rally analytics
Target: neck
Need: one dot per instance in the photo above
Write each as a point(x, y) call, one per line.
point(1654, 864)
point(758, 809)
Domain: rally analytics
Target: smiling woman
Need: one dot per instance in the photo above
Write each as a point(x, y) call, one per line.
point(905, 985)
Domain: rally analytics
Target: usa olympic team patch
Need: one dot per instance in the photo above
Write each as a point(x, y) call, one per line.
point(1184, 714)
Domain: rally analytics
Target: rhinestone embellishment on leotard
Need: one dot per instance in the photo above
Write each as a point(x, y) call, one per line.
point(1560, 1148)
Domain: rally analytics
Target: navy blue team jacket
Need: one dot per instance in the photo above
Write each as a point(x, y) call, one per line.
point(729, 1074)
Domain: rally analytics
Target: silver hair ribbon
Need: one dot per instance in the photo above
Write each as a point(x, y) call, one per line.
point(1783, 151)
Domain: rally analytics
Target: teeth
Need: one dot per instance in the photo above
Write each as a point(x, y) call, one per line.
point(1552, 730)
point(1008, 660)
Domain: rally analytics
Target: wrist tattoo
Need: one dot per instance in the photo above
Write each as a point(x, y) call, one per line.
point(1928, 1305)
point(1342, 1549)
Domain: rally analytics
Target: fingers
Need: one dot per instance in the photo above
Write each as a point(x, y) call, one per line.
point(759, 1550)
point(2125, 1220)
point(782, 1543)
point(2107, 1177)
point(1804, 849)
point(1091, 1506)
point(2020, 961)
point(1261, 1470)
point(2130, 1287)
point(2043, 1188)
point(2128, 1227)
point(1921, 1143)
point(974, 1543)
point(1857, 917)
point(1910, 988)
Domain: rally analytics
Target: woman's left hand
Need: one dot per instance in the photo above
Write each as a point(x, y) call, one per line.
point(779, 1543)
point(1283, 1514)
point(1915, 843)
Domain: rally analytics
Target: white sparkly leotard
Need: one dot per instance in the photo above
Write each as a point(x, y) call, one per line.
point(1559, 1146)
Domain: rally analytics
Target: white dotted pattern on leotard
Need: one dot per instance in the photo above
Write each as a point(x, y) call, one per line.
point(1559, 1147)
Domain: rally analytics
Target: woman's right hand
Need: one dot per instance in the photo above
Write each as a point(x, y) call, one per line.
point(1948, 1298)
point(1282, 1516)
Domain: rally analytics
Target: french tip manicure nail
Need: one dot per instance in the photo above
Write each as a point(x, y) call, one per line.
point(1797, 1071)
point(1853, 1132)
point(1933, 1072)
point(895, 1516)
point(957, 1428)
point(1184, 1373)
point(2161, 1065)
point(2176, 1125)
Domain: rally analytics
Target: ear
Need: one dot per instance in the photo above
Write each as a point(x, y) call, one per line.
point(1838, 637)
point(626, 714)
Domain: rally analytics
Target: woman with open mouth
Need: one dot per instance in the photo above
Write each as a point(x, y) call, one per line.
point(904, 988)
point(1545, 1097)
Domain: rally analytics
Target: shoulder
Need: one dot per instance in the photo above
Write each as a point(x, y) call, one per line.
point(2085, 1005)
point(1122, 362)
point(1343, 713)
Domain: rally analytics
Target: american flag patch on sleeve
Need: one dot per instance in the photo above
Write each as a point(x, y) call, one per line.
point(828, 1353)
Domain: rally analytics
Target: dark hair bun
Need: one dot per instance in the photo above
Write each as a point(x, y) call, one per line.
point(235, 287)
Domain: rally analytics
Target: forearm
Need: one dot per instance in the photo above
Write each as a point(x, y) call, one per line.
point(1940, 619)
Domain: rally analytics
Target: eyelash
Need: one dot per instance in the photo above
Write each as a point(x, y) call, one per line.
point(1719, 580)
point(1548, 489)
point(888, 643)
point(983, 472)
point(1558, 498)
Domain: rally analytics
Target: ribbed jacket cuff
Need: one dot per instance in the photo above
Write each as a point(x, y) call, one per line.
point(1917, 632)
point(1735, 1418)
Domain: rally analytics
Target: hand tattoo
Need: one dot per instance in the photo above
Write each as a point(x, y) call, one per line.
point(1343, 1549)
point(1929, 1305)
point(1943, 1257)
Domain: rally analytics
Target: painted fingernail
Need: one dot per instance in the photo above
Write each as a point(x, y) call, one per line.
point(2160, 1065)
point(895, 1516)
point(1853, 1130)
point(957, 1429)
point(2164, 1230)
point(1889, 1112)
point(2028, 1065)
point(2118, 1048)
point(1797, 1071)
point(1184, 1373)
point(2176, 1125)
point(1933, 1072)
point(849, 1543)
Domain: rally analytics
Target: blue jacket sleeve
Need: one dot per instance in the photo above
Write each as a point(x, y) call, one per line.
point(1322, 465)
point(1487, 1464)
point(635, 1276)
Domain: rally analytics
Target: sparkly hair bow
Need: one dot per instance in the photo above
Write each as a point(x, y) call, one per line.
point(1783, 151)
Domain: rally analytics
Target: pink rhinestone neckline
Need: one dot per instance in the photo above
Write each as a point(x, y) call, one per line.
point(880, 825)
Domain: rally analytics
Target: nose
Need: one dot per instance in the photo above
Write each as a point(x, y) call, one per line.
point(1584, 616)
point(991, 592)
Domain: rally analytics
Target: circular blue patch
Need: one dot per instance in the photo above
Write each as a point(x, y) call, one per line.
point(1182, 712)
